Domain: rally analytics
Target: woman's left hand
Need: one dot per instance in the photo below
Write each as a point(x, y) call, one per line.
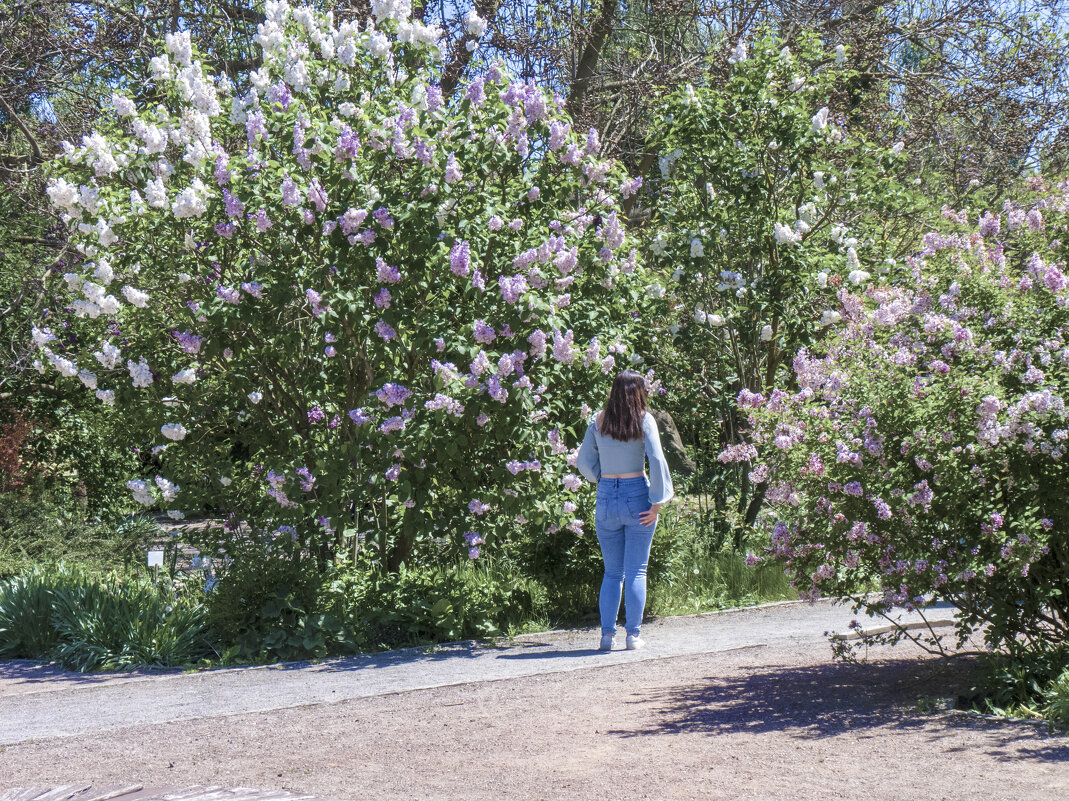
point(649, 517)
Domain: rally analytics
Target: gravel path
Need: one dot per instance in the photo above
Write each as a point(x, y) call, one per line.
point(742, 705)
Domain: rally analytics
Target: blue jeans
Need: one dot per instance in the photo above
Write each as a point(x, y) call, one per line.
point(625, 548)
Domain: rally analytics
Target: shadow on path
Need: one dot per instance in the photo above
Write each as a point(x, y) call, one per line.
point(870, 699)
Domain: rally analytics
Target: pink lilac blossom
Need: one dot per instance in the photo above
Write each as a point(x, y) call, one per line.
point(352, 220)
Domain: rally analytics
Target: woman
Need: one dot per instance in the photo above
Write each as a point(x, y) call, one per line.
point(628, 503)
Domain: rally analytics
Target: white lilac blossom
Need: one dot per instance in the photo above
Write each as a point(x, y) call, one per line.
point(830, 318)
point(141, 491)
point(738, 53)
point(187, 376)
point(820, 120)
point(474, 25)
point(168, 489)
point(135, 296)
point(697, 249)
point(139, 372)
point(108, 355)
point(785, 235)
point(175, 431)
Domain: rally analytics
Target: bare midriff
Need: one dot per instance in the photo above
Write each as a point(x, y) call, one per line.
point(623, 475)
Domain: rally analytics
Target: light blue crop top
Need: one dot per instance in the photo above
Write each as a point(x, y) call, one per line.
point(600, 453)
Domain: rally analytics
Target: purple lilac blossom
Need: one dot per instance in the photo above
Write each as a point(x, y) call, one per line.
point(263, 222)
point(452, 171)
point(484, 334)
point(387, 273)
point(460, 258)
point(228, 294)
point(290, 196)
point(234, 207)
point(393, 394)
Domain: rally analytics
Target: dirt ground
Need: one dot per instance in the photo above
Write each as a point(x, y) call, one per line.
point(756, 723)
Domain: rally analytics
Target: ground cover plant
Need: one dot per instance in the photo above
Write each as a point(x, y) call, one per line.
point(87, 622)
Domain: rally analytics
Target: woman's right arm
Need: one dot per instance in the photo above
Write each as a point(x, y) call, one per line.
point(589, 461)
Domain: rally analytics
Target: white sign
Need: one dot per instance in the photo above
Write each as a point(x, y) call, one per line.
point(155, 558)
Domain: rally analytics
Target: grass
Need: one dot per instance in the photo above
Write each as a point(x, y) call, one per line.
point(46, 526)
point(718, 581)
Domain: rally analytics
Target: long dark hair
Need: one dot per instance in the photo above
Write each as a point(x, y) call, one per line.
point(626, 407)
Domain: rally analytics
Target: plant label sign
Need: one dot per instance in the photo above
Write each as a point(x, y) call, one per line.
point(155, 558)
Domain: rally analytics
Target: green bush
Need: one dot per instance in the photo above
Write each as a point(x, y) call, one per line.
point(268, 609)
point(87, 623)
point(452, 602)
point(1056, 709)
point(265, 608)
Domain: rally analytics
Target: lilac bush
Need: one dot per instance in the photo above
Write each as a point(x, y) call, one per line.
point(339, 305)
point(922, 451)
point(766, 203)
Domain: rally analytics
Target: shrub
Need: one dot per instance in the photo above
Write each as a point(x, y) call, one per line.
point(450, 602)
point(26, 628)
point(43, 524)
point(265, 608)
point(766, 202)
point(924, 450)
point(350, 306)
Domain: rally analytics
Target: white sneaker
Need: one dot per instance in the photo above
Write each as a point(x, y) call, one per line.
point(634, 642)
point(607, 642)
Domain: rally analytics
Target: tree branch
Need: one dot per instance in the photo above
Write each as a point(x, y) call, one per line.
point(459, 58)
point(588, 62)
point(38, 158)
